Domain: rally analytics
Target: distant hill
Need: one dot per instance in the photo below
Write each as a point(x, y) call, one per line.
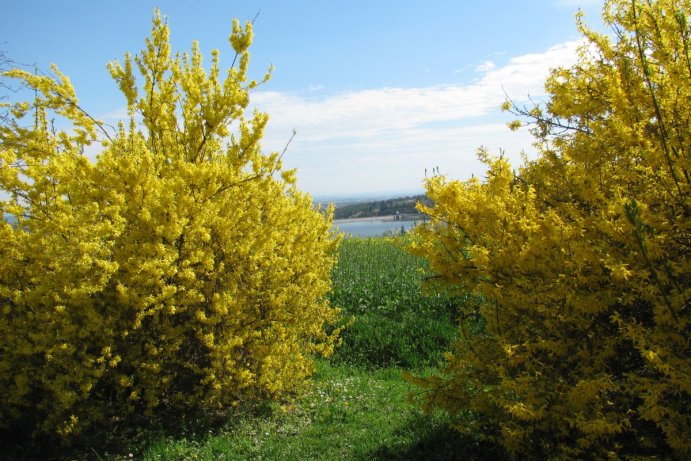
point(402, 205)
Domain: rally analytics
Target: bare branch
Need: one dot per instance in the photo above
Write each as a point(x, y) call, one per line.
point(280, 157)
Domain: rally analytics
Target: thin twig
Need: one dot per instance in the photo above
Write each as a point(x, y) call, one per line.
point(287, 144)
point(98, 123)
point(236, 54)
point(97, 455)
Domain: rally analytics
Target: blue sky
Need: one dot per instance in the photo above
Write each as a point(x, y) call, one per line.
point(378, 91)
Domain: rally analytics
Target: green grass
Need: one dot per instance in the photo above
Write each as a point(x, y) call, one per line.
point(380, 287)
point(348, 414)
point(357, 406)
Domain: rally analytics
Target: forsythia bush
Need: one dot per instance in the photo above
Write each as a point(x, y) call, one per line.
point(180, 270)
point(582, 258)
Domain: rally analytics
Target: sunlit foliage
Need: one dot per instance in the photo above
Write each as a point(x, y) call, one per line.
point(180, 270)
point(582, 257)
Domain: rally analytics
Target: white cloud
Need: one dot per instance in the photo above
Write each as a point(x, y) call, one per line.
point(384, 138)
point(486, 66)
point(398, 160)
point(314, 88)
point(116, 115)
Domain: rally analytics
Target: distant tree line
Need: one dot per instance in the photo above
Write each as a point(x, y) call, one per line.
point(401, 205)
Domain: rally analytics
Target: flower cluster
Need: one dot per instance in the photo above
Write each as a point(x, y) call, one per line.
point(181, 269)
point(581, 257)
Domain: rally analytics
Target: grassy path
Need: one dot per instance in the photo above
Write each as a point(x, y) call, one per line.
point(348, 414)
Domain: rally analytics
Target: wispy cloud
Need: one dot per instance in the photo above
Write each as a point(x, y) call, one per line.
point(486, 66)
point(368, 111)
point(385, 138)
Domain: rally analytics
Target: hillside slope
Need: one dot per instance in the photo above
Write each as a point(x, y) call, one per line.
point(402, 205)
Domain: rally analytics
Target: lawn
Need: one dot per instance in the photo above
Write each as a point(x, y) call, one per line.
point(348, 414)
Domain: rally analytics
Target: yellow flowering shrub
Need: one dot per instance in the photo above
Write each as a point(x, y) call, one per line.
point(180, 270)
point(579, 348)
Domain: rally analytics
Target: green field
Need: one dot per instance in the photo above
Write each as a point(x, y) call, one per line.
point(379, 286)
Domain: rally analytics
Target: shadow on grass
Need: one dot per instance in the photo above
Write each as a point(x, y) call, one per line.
point(436, 441)
point(115, 441)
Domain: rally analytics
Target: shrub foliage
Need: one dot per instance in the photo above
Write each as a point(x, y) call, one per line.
point(180, 270)
point(581, 257)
